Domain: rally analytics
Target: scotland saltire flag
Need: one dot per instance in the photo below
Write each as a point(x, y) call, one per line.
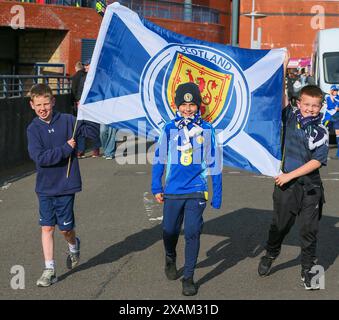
point(137, 66)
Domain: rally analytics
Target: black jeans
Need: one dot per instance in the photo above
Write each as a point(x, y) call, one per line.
point(288, 202)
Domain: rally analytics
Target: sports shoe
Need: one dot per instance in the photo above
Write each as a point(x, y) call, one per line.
point(95, 153)
point(171, 268)
point(265, 265)
point(48, 278)
point(73, 258)
point(189, 288)
point(80, 155)
point(306, 278)
point(109, 158)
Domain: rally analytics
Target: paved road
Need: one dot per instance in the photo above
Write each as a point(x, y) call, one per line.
point(122, 252)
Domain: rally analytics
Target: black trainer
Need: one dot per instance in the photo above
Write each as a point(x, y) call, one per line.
point(306, 278)
point(265, 265)
point(171, 268)
point(189, 288)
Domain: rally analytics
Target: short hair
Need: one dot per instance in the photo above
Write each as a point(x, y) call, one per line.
point(40, 89)
point(79, 65)
point(312, 91)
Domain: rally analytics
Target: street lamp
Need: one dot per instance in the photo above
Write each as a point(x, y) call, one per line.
point(255, 15)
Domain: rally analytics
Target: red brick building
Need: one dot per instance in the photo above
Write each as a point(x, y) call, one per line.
point(57, 34)
point(288, 23)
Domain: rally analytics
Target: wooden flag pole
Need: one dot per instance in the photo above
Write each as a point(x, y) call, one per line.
point(69, 159)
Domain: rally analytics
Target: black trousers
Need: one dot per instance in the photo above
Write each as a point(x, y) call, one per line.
point(288, 202)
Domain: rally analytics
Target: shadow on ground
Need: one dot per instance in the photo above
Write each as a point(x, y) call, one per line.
point(243, 234)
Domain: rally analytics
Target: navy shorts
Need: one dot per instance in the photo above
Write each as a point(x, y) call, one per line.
point(57, 210)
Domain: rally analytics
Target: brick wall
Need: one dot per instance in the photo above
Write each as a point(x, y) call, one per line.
point(289, 23)
point(54, 33)
point(209, 32)
point(60, 29)
point(202, 31)
point(40, 46)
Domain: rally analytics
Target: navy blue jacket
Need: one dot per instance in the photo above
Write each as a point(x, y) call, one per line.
point(48, 148)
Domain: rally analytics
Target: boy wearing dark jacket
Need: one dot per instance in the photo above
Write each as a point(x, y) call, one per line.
point(298, 190)
point(50, 144)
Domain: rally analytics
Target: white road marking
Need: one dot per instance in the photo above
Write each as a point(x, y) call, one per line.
point(156, 219)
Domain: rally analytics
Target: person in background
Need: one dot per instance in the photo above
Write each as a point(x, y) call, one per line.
point(107, 138)
point(96, 140)
point(331, 116)
point(77, 85)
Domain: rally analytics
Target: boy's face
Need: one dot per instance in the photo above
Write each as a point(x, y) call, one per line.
point(188, 109)
point(43, 107)
point(309, 106)
point(334, 92)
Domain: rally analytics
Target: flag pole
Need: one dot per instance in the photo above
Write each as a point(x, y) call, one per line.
point(69, 159)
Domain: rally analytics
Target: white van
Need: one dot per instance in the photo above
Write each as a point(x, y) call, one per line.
point(325, 59)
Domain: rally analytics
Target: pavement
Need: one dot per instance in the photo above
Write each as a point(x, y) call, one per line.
point(122, 254)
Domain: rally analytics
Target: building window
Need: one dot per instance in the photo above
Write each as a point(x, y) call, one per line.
point(87, 48)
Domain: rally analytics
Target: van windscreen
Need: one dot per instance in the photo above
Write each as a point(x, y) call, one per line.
point(331, 67)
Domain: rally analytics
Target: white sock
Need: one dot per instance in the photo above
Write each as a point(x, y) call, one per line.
point(72, 247)
point(49, 264)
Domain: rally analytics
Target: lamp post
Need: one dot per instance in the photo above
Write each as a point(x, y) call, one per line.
point(255, 15)
point(235, 22)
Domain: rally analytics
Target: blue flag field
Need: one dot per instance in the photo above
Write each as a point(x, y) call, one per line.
point(137, 66)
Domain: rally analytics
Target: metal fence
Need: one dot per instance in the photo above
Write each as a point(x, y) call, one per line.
point(19, 85)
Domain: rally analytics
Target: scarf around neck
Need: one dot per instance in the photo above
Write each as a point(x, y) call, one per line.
point(182, 124)
point(316, 133)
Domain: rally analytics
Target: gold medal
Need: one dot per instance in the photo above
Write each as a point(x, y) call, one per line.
point(186, 159)
point(200, 139)
point(188, 151)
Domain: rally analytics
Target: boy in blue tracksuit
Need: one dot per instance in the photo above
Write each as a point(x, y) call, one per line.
point(188, 148)
point(332, 112)
point(50, 144)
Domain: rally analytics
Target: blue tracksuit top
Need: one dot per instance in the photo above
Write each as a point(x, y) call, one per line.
point(48, 148)
point(191, 177)
point(332, 104)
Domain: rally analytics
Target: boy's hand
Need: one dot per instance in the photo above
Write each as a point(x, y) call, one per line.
point(283, 179)
point(72, 143)
point(159, 197)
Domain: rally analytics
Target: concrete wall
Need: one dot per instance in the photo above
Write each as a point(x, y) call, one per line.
point(15, 116)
